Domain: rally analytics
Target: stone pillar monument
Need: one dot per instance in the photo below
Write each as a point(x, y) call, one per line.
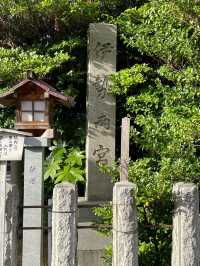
point(100, 143)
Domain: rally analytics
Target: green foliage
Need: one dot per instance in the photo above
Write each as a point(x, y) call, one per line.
point(162, 96)
point(6, 118)
point(154, 206)
point(160, 84)
point(105, 218)
point(43, 20)
point(159, 29)
point(154, 209)
point(128, 78)
point(65, 164)
point(165, 104)
point(16, 62)
point(107, 255)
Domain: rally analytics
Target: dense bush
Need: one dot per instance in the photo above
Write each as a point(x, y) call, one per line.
point(161, 88)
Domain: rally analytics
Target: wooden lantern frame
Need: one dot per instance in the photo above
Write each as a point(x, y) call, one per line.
point(31, 92)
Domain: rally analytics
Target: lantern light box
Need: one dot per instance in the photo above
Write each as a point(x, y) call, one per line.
point(34, 101)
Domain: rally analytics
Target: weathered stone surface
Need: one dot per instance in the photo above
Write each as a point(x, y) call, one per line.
point(49, 232)
point(64, 225)
point(185, 251)
point(16, 132)
point(9, 203)
point(11, 144)
point(91, 244)
point(33, 196)
point(11, 147)
point(91, 257)
point(3, 167)
point(125, 229)
point(36, 142)
point(124, 149)
point(100, 142)
point(11, 225)
point(17, 179)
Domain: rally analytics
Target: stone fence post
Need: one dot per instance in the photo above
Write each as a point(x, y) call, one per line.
point(49, 232)
point(64, 225)
point(3, 171)
point(185, 248)
point(125, 230)
point(9, 205)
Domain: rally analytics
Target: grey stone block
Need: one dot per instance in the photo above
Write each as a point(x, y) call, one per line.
point(33, 196)
point(185, 248)
point(3, 167)
point(100, 142)
point(64, 225)
point(36, 142)
point(125, 229)
point(90, 258)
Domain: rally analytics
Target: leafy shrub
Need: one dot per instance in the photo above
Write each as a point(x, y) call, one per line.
point(161, 88)
point(65, 164)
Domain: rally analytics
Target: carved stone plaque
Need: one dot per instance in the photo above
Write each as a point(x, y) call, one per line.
point(100, 147)
point(11, 147)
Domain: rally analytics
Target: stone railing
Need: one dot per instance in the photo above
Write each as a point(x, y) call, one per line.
point(185, 248)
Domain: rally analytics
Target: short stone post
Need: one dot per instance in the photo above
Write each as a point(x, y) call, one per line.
point(125, 230)
point(64, 225)
point(185, 249)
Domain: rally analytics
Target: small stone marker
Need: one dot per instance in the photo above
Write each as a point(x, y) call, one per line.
point(100, 143)
point(33, 200)
point(11, 145)
point(186, 246)
point(125, 148)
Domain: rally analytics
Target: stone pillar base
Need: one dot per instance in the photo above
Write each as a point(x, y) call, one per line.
point(90, 243)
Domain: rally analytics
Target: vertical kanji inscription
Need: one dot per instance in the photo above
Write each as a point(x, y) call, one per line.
point(100, 144)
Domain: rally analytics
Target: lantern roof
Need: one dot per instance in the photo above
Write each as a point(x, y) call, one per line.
point(9, 98)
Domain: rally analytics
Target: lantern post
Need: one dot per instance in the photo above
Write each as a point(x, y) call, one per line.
point(34, 101)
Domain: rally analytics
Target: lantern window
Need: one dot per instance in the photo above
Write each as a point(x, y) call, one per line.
point(26, 106)
point(39, 106)
point(34, 111)
point(27, 116)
